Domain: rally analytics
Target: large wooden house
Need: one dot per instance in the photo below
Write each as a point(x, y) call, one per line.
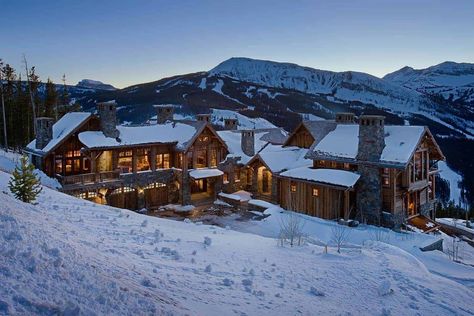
point(131, 166)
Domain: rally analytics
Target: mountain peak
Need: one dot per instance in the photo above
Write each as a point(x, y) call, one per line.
point(94, 84)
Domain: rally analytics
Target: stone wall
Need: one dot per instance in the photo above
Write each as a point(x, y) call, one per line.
point(44, 131)
point(230, 124)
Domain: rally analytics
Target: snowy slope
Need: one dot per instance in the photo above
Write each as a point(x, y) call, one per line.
point(244, 122)
point(69, 256)
point(454, 179)
point(449, 79)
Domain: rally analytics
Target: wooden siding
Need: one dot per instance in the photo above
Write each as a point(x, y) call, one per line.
point(301, 138)
point(329, 204)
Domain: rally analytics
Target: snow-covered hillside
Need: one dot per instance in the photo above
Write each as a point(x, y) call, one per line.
point(69, 256)
point(449, 79)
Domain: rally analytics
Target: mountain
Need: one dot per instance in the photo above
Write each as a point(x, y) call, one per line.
point(449, 80)
point(94, 84)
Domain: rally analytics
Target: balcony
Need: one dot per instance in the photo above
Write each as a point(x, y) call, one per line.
point(88, 178)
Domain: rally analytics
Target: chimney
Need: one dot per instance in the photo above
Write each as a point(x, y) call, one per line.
point(345, 118)
point(371, 137)
point(369, 186)
point(44, 131)
point(204, 118)
point(230, 124)
point(248, 142)
point(108, 118)
point(164, 113)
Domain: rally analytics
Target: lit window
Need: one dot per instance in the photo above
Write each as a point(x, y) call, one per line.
point(125, 161)
point(143, 162)
point(58, 163)
point(315, 192)
point(346, 165)
point(201, 160)
point(333, 164)
point(225, 178)
point(213, 157)
point(293, 188)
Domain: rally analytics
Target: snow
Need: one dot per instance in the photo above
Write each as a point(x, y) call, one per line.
point(241, 196)
point(233, 141)
point(135, 135)
point(244, 122)
point(218, 89)
point(278, 158)
point(70, 256)
point(343, 142)
point(205, 173)
point(454, 179)
point(459, 223)
point(327, 176)
point(61, 129)
point(260, 203)
point(202, 84)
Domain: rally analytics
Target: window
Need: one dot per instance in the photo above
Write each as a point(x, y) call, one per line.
point(155, 185)
point(333, 164)
point(213, 157)
point(237, 175)
point(203, 139)
point(179, 160)
point(143, 162)
point(315, 192)
point(73, 162)
point(293, 188)
point(386, 177)
point(418, 166)
point(321, 163)
point(190, 160)
point(225, 178)
point(125, 161)
point(201, 159)
point(162, 161)
point(347, 166)
point(58, 165)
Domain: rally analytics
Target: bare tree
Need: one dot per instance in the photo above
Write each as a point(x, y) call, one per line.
point(340, 234)
point(291, 229)
point(32, 99)
point(3, 107)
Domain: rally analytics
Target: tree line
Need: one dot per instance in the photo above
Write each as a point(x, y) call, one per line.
point(23, 97)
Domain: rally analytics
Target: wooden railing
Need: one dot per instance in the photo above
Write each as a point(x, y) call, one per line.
point(89, 178)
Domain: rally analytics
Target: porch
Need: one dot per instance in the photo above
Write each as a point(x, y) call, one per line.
point(78, 180)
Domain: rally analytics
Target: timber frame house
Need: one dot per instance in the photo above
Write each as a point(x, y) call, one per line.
point(330, 168)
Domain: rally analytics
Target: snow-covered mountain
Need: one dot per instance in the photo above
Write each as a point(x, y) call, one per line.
point(453, 81)
point(94, 84)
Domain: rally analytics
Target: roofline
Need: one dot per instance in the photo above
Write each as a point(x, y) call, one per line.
point(199, 131)
point(43, 153)
point(127, 146)
point(337, 187)
point(294, 132)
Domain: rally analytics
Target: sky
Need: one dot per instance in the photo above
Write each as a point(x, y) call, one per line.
point(129, 42)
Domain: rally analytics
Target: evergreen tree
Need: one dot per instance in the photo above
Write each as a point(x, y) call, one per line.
point(50, 99)
point(24, 184)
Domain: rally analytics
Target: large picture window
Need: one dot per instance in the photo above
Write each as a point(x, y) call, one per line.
point(125, 161)
point(143, 162)
point(201, 158)
point(213, 157)
point(163, 161)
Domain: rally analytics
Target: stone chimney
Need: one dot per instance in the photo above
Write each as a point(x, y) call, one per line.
point(369, 186)
point(248, 142)
point(108, 118)
point(164, 113)
point(345, 118)
point(230, 124)
point(371, 137)
point(44, 131)
point(204, 118)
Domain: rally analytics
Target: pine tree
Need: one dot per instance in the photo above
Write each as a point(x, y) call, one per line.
point(24, 184)
point(50, 99)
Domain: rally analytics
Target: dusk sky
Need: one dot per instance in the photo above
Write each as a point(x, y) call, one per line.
point(129, 42)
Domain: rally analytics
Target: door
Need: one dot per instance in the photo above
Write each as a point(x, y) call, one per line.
point(156, 196)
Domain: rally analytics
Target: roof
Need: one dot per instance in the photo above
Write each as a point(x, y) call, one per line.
point(168, 133)
point(343, 142)
point(64, 127)
point(324, 176)
point(205, 173)
point(233, 140)
point(317, 129)
point(278, 158)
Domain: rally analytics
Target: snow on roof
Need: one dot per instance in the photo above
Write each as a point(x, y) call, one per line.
point(61, 129)
point(136, 135)
point(343, 142)
point(279, 158)
point(328, 176)
point(233, 141)
point(205, 173)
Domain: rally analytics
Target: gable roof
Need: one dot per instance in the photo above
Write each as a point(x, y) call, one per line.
point(317, 129)
point(342, 144)
point(170, 133)
point(279, 158)
point(233, 140)
point(64, 127)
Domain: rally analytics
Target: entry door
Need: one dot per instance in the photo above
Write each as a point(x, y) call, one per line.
point(199, 186)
